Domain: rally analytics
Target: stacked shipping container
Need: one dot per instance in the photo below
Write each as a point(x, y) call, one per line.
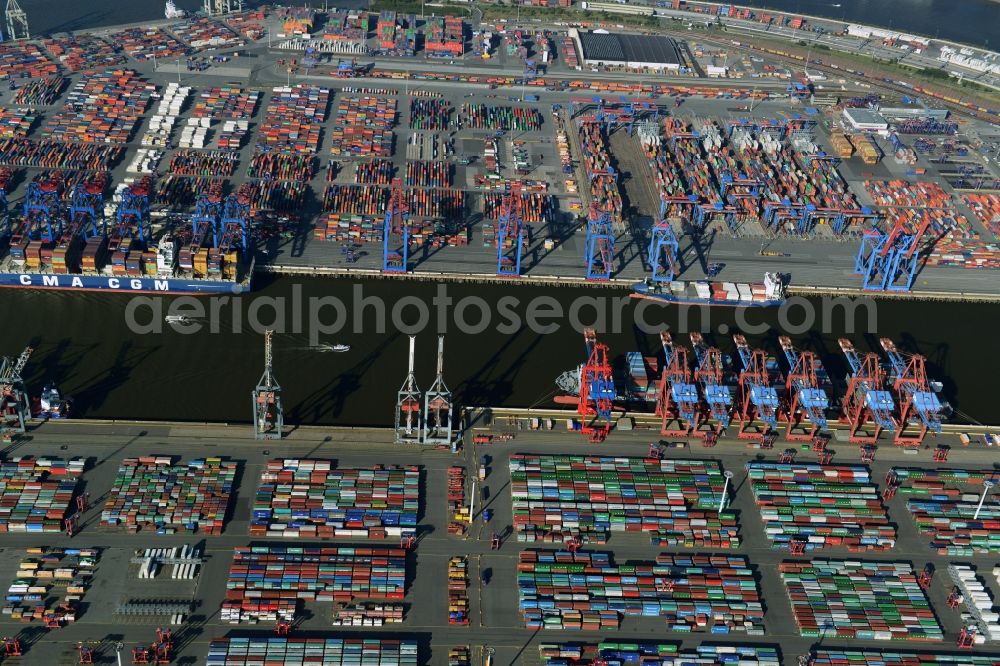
point(587, 498)
point(563, 590)
point(943, 502)
point(363, 127)
point(308, 498)
point(611, 653)
point(152, 491)
point(266, 581)
point(80, 52)
point(327, 651)
point(862, 600)
point(102, 107)
point(820, 506)
point(35, 493)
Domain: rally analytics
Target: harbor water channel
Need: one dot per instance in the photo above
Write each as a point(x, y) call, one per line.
point(117, 357)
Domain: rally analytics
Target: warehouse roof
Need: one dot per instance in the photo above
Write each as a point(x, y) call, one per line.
point(606, 47)
point(864, 116)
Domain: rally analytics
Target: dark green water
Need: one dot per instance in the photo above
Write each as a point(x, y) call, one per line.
point(83, 343)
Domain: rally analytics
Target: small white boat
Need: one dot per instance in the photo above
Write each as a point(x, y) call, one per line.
point(177, 319)
point(334, 348)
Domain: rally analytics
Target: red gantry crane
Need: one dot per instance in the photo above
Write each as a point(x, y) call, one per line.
point(597, 390)
point(709, 374)
point(806, 415)
point(920, 410)
point(677, 404)
point(866, 402)
point(757, 400)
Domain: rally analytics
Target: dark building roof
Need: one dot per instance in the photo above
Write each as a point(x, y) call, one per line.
point(629, 48)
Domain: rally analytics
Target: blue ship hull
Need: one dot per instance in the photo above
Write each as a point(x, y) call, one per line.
point(132, 285)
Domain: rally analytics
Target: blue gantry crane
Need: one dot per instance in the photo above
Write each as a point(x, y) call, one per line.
point(757, 403)
point(131, 219)
point(664, 253)
point(677, 403)
point(205, 221)
point(510, 232)
point(396, 224)
point(42, 217)
point(709, 375)
point(807, 401)
point(86, 210)
point(919, 404)
point(611, 114)
point(866, 402)
point(600, 244)
point(889, 261)
point(234, 223)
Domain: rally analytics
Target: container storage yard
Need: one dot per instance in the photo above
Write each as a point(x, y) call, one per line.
point(479, 117)
point(276, 583)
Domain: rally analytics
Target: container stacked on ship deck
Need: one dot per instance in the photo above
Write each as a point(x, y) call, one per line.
point(154, 492)
point(309, 498)
point(943, 502)
point(35, 493)
point(820, 506)
point(583, 590)
point(236, 651)
point(859, 600)
point(589, 498)
point(613, 653)
point(267, 582)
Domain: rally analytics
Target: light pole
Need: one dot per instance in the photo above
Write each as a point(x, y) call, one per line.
point(725, 488)
point(119, 646)
point(987, 484)
point(178, 71)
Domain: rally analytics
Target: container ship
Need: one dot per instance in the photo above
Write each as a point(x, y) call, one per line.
point(769, 293)
point(75, 247)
